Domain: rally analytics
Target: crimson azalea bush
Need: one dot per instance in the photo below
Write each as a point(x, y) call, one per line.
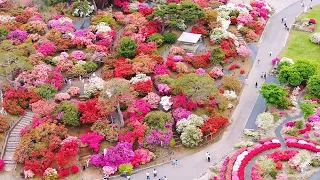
point(182, 101)
point(142, 156)
point(2, 164)
point(93, 139)
point(15, 101)
point(143, 87)
point(47, 48)
point(74, 169)
point(213, 124)
point(89, 111)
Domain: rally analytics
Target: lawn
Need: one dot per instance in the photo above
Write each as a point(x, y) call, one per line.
point(299, 46)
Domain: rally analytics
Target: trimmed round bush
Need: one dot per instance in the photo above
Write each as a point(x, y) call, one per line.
point(156, 38)
point(191, 136)
point(90, 66)
point(46, 91)
point(315, 38)
point(126, 167)
point(127, 47)
point(169, 38)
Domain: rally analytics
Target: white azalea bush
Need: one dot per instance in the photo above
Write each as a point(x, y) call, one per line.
point(81, 8)
point(242, 144)
point(265, 120)
point(166, 103)
point(95, 84)
point(251, 133)
point(140, 78)
point(230, 95)
point(315, 38)
point(301, 160)
point(193, 120)
point(217, 34)
point(103, 27)
point(287, 60)
point(191, 136)
point(50, 173)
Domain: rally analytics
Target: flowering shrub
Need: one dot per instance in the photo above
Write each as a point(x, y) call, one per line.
point(166, 103)
point(15, 101)
point(230, 95)
point(312, 21)
point(1, 164)
point(50, 173)
point(74, 169)
point(184, 102)
point(43, 107)
point(161, 69)
point(164, 89)
point(78, 55)
point(234, 66)
point(191, 136)
point(143, 87)
point(4, 125)
point(192, 119)
point(142, 156)
point(108, 170)
point(243, 51)
point(62, 96)
point(265, 120)
point(300, 161)
point(214, 124)
point(181, 113)
point(83, 38)
point(18, 35)
point(315, 38)
point(216, 72)
point(153, 99)
point(47, 48)
point(28, 174)
point(81, 8)
point(89, 111)
point(73, 91)
point(92, 139)
point(95, 84)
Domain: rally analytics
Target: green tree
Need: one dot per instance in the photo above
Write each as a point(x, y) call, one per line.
point(290, 75)
point(70, 113)
point(194, 85)
point(307, 109)
point(127, 48)
point(217, 54)
point(46, 91)
point(313, 85)
point(169, 37)
point(305, 68)
point(275, 95)
point(283, 64)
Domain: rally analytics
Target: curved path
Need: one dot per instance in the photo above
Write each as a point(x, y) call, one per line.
point(273, 40)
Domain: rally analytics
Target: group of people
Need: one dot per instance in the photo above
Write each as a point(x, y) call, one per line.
point(155, 173)
point(284, 20)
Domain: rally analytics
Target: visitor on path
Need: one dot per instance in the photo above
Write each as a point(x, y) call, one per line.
point(176, 163)
point(262, 74)
point(270, 53)
point(258, 61)
point(154, 173)
point(285, 24)
point(124, 173)
point(256, 84)
point(284, 19)
point(173, 161)
point(84, 167)
point(265, 76)
point(302, 4)
point(164, 178)
point(148, 175)
point(128, 177)
point(87, 163)
point(209, 157)
point(246, 81)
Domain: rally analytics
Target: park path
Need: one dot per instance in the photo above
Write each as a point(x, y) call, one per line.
point(273, 40)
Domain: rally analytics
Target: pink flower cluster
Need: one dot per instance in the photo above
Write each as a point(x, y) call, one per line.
point(62, 96)
point(315, 117)
point(180, 113)
point(83, 38)
point(244, 18)
point(259, 8)
point(216, 72)
point(43, 107)
point(18, 35)
point(73, 91)
point(163, 89)
point(24, 130)
point(302, 144)
point(153, 99)
point(232, 161)
point(161, 69)
point(142, 156)
point(224, 168)
point(47, 48)
point(275, 61)
point(63, 27)
point(93, 139)
point(201, 71)
point(78, 55)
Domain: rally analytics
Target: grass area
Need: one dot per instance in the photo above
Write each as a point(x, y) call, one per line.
point(299, 46)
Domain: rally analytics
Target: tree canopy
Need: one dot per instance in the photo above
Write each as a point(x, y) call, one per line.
point(275, 95)
point(314, 85)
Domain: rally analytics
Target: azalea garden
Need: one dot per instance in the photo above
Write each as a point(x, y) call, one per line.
point(121, 93)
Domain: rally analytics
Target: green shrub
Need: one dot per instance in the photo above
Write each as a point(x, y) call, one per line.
point(90, 66)
point(126, 167)
point(307, 109)
point(3, 33)
point(50, 61)
point(70, 113)
point(172, 142)
point(315, 162)
point(293, 132)
point(273, 174)
point(283, 64)
point(156, 38)
point(157, 119)
point(217, 55)
point(169, 38)
point(275, 116)
point(46, 91)
point(127, 47)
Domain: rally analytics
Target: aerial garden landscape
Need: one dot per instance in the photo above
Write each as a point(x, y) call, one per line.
point(98, 89)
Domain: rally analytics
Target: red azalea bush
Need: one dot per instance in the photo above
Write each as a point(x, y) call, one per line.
point(15, 101)
point(123, 68)
point(161, 69)
point(146, 48)
point(233, 20)
point(199, 29)
point(234, 66)
point(146, 11)
point(39, 161)
point(201, 60)
point(170, 63)
point(228, 47)
point(64, 173)
point(47, 48)
point(242, 71)
point(69, 149)
point(312, 21)
point(143, 87)
point(282, 155)
point(306, 129)
point(89, 111)
point(74, 169)
point(134, 132)
point(214, 124)
point(181, 101)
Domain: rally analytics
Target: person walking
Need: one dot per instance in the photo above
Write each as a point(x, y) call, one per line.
point(262, 74)
point(148, 175)
point(209, 157)
point(284, 19)
point(246, 81)
point(270, 53)
point(154, 173)
point(265, 75)
point(207, 154)
point(128, 177)
point(256, 84)
point(302, 4)
point(285, 24)
point(173, 161)
point(258, 61)
point(176, 163)
point(165, 178)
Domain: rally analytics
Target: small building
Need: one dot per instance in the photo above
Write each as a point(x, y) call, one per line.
point(189, 41)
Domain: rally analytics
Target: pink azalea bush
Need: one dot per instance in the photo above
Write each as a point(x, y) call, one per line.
point(78, 55)
point(201, 71)
point(108, 170)
point(275, 61)
point(216, 72)
point(315, 117)
point(243, 51)
point(93, 139)
point(43, 107)
point(164, 89)
point(62, 23)
point(18, 35)
point(47, 48)
point(2, 164)
point(83, 38)
point(181, 113)
point(153, 99)
point(142, 156)
point(62, 96)
point(73, 91)
point(161, 69)
point(224, 167)
point(25, 129)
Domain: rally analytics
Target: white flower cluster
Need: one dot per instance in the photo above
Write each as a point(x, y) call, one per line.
point(103, 27)
point(6, 18)
point(242, 144)
point(230, 95)
point(238, 162)
point(315, 38)
point(64, 19)
point(139, 78)
point(95, 84)
point(50, 172)
point(225, 10)
point(166, 103)
point(287, 59)
point(81, 62)
point(251, 133)
point(217, 34)
point(79, 11)
point(265, 120)
point(301, 160)
point(28, 174)
point(193, 120)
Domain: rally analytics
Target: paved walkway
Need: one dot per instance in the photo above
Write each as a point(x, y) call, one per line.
point(274, 39)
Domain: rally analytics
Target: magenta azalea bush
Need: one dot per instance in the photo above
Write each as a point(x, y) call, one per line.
point(93, 139)
point(18, 35)
point(47, 48)
point(180, 113)
point(78, 55)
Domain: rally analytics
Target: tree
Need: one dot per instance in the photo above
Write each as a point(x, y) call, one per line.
point(217, 54)
point(46, 91)
point(194, 85)
point(231, 82)
point(275, 95)
point(158, 119)
point(69, 113)
point(307, 109)
point(305, 68)
point(127, 47)
point(109, 98)
point(314, 85)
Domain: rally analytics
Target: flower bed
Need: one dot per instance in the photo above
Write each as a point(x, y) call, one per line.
point(302, 144)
